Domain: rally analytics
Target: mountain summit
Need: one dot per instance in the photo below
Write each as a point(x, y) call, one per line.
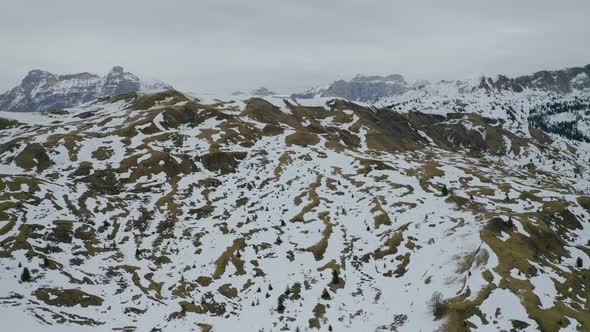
point(361, 88)
point(41, 90)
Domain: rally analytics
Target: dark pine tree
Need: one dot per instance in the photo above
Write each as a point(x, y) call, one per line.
point(510, 223)
point(281, 306)
point(26, 275)
point(335, 277)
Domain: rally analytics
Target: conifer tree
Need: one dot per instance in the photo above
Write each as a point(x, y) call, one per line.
point(335, 277)
point(281, 306)
point(26, 275)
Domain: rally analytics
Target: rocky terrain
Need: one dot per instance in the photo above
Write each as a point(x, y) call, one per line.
point(42, 91)
point(455, 206)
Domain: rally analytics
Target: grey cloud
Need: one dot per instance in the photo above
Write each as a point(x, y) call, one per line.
point(287, 45)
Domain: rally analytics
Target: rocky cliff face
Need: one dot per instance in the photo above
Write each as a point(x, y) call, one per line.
point(361, 88)
point(41, 90)
point(560, 81)
point(376, 88)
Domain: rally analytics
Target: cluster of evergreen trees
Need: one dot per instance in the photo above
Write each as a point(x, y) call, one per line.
point(540, 117)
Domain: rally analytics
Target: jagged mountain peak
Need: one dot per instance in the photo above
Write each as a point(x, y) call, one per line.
point(42, 90)
point(35, 76)
point(499, 83)
point(559, 81)
point(117, 69)
point(35, 73)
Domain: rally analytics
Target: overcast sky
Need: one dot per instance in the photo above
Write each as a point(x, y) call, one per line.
point(289, 45)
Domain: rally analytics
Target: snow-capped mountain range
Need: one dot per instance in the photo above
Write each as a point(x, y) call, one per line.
point(375, 88)
point(41, 90)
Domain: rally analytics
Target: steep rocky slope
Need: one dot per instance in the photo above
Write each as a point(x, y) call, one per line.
point(166, 212)
point(41, 90)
